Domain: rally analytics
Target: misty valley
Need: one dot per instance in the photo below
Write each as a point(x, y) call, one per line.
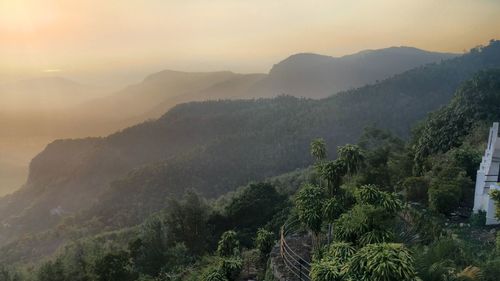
point(373, 164)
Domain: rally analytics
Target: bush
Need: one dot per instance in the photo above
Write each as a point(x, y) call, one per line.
point(446, 249)
point(495, 195)
point(444, 198)
point(478, 219)
point(382, 262)
point(114, 267)
point(264, 243)
point(231, 267)
point(309, 204)
point(253, 208)
point(491, 270)
point(214, 275)
point(326, 270)
point(415, 189)
point(228, 244)
point(364, 224)
point(498, 242)
point(339, 251)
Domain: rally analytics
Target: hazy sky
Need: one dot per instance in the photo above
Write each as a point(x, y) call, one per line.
point(79, 37)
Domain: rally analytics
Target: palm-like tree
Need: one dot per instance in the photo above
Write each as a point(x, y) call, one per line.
point(352, 156)
point(382, 262)
point(333, 172)
point(318, 149)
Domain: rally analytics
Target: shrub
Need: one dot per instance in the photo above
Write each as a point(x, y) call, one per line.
point(371, 195)
point(264, 242)
point(444, 198)
point(415, 189)
point(478, 219)
point(228, 244)
point(214, 275)
point(382, 262)
point(231, 267)
point(326, 270)
point(309, 204)
point(339, 251)
point(491, 270)
point(495, 195)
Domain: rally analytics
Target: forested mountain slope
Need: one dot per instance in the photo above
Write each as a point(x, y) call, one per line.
point(301, 75)
point(35, 112)
point(216, 146)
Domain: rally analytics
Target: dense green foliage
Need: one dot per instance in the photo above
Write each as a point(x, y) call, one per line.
point(436, 248)
point(382, 262)
point(216, 146)
point(476, 100)
point(387, 208)
point(309, 205)
point(264, 242)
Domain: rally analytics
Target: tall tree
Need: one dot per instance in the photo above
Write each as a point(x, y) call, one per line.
point(333, 172)
point(187, 222)
point(318, 149)
point(114, 267)
point(309, 204)
point(352, 157)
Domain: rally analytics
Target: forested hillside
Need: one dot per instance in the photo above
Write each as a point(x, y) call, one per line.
point(373, 213)
point(213, 147)
point(318, 76)
point(37, 111)
point(301, 75)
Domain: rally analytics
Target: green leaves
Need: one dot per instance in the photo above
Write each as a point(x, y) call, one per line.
point(332, 172)
point(374, 262)
point(382, 262)
point(318, 149)
point(327, 270)
point(309, 204)
point(228, 244)
point(370, 194)
point(352, 156)
point(476, 100)
point(264, 242)
point(340, 252)
point(495, 195)
point(214, 275)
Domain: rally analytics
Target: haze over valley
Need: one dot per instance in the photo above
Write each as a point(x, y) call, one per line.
point(37, 111)
point(226, 140)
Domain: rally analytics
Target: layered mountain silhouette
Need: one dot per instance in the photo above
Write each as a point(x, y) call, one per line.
point(317, 76)
point(52, 107)
point(216, 146)
point(300, 75)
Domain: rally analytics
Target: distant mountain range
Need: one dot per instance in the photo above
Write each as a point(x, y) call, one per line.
point(317, 76)
point(300, 75)
point(36, 111)
point(216, 146)
point(80, 110)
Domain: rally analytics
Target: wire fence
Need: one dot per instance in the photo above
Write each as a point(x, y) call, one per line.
point(296, 264)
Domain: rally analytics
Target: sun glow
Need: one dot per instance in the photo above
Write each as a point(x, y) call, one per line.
point(25, 16)
point(88, 36)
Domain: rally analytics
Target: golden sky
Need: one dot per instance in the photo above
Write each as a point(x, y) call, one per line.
point(86, 36)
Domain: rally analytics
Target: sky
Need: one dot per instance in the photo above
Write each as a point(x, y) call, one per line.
point(96, 39)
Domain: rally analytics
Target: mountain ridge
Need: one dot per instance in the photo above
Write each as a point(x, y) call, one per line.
point(214, 146)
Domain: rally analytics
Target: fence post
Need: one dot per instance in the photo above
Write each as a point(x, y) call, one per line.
point(300, 270)
point(281, 241)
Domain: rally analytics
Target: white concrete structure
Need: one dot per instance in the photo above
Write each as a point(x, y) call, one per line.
point(487, 177)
